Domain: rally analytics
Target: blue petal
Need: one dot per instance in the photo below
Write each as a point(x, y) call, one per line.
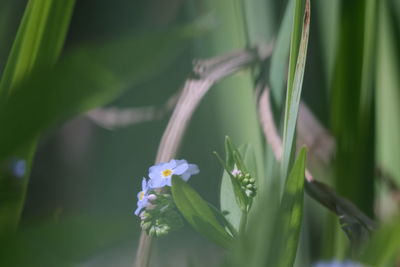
point(141, 205)
point(144, 184)
point(155, 175)
point(137, 211)
point(193, 169)
point(170, 165)
point(156, 167)
point(181, 169)
point(157, 183)
point(180, 161)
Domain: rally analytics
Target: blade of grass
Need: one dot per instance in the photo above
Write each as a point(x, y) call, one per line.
point(39, 40)
point(290, 216)
point(387, 97)
point(298, 54)
point(352, 106)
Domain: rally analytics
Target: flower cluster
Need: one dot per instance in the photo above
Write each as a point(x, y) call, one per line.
point(162, 217)
point(155, 206)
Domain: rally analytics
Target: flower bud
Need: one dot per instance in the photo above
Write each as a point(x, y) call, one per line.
point(152, 197)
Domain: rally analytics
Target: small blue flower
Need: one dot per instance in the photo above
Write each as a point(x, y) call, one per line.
point(161, 173)
point(18, 167)
point(143, 197)
point(337, 264)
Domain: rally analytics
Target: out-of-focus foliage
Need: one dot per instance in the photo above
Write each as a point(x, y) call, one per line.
point(59, 59)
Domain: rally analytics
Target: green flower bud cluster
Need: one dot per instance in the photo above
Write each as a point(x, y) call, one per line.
point(246, 182)
point(161, 217)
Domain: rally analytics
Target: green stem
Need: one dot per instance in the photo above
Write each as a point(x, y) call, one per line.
point(243, 223)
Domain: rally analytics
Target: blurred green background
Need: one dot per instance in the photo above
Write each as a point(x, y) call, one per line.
point(81, 194)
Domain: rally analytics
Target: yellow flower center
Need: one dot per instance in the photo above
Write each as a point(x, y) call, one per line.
point(141, 195)
point(166, 173)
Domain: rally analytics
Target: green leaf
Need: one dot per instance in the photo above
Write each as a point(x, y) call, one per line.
point(351, 109)
point(384, 246)
point(198, 213)
point(277, 75)
point(39, 40)
point(387, 123)
point(290, 215)
point(298, 54)
point(229, 149)
point(228, 201)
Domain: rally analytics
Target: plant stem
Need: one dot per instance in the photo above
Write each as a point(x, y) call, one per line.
point(243, 223)
point(143, 253)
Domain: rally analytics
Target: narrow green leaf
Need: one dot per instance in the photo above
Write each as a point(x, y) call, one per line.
point(279, 59)
point(384, 246)
point(229, 148)
point(39, 40)
point(351, 106)
point(297, 62)
point(198, 213)
point(290, 215)
point(387, 123)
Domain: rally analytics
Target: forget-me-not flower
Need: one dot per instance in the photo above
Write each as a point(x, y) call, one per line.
point(337, 264)
point(161, 173)
point(17, 167)
point(143, 197)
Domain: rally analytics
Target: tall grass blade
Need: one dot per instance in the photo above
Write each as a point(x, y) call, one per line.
point(289, 219)
point(298, 54)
